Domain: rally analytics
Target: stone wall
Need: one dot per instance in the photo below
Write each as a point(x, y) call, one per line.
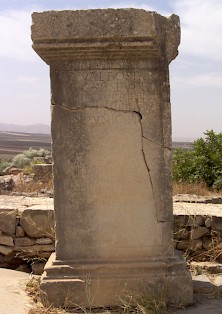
point(27, 231)
point(198, 228)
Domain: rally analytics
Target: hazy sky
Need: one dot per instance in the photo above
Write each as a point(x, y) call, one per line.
point(196, 74)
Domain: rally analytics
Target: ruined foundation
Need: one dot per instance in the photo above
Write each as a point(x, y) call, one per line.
point(111, 141)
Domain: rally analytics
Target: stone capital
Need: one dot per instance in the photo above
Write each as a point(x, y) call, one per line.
point(114, 33)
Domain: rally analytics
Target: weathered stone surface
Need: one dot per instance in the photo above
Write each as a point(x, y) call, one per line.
point(208, 222)
point(38, 221)
point(43, 172)
point(218, 282)
point(7, 219)
point(111, 134)
point(19, 232)
point(24, 241)
point(209, 267)
point(198, 232)
point(194, 209)
point(216, 224)
point(145, 25)
point(189, 245)
point(11, 170)
point(207, 243)
point(6, 240)
point(38, 268)
point(5, 250)
point(44, 241)
point(24, 268)
point(35, 250)
point(199, 220)
point(202, 284)
point(6, 183)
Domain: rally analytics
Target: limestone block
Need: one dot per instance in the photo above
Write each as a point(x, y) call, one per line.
point(19, 233)
point(48, 159)
point(206, 267)
point(114, 184)
point(208, 222)
point(207, 243)
point(42, 172)
point(145, 25)
point(216, 224)
point(44, 241)
point(6, 183)
point(218, 282)
point(38, 221)
point(7, 219)
point(189, 245)
point(202, 284)
point(38, 268)
point(36, 250)
point(189, 220)
point(5, 250)
point(6, 240)
point(198, 232)
point(24, 268)
point(24, 241)
point(181, 221)
point(199, 220)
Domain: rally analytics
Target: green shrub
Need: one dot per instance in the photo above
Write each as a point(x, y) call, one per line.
point(25, 159)
point(3, 165)
point(202, 164)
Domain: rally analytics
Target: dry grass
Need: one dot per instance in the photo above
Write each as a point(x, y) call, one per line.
point(149, 302)
point(198, 189)
point(212, 254)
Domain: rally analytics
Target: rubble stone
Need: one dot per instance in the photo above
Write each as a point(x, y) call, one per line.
point(6, 240)
point(38, 221)
point(25, 241)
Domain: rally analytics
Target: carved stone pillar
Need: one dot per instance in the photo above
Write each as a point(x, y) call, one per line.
point(111, 142)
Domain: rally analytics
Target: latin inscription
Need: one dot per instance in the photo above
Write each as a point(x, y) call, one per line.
point(116, 89)
point(117, 118)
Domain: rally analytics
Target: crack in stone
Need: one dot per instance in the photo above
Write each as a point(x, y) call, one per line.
point(96, 107)
point(142, 136)
point(146, 164)
point(156, 143)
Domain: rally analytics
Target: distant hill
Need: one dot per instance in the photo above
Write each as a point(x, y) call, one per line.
point(13, 143)
point(35, 128)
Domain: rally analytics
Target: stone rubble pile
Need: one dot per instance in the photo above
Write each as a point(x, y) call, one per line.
point(13, 177)
point(26, 232)
point(198, 230)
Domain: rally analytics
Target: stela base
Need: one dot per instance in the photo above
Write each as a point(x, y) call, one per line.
point(106, 283)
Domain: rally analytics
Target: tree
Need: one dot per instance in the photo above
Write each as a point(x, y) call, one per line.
point(202, 164)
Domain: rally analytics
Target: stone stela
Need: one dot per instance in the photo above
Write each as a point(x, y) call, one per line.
point(111, 143)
